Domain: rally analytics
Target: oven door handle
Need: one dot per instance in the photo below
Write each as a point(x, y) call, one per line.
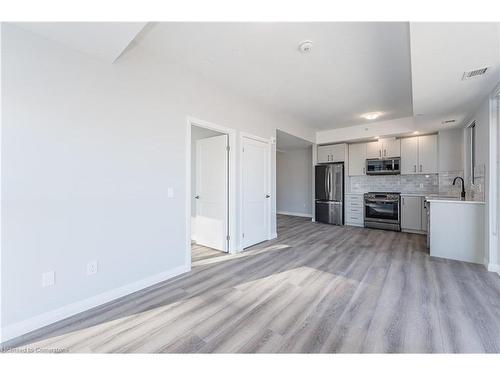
point(381, 201)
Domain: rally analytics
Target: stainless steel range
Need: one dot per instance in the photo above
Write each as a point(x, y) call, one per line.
point(382, 210)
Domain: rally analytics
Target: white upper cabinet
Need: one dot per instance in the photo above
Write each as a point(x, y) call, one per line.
point(391, 148)
point(323, 154)
point(419, 155)
point(383, 148)
point(409, 155)
point(357, 159)
point(373, 150)
point(331, 153)
point(428, 154)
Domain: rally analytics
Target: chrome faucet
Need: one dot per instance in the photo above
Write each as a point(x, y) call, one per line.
point(462, 194)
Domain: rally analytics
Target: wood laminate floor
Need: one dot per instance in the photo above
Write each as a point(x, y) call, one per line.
point(316, 288)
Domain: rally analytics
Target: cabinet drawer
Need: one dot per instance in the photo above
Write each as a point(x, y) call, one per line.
point(354, 204)
point(355, 210)
point(354, 198)
point(354, 219)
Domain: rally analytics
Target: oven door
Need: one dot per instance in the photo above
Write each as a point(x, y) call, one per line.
point(379, 210)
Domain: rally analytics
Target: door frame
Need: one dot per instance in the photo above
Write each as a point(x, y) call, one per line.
point(231, 212)
point(268, 143)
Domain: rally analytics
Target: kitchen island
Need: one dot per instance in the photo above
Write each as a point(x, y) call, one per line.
point(456, 228)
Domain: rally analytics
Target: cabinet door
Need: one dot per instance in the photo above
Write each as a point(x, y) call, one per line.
point(411, 213)
point(391, 148)
point(324, 154)
point(357, 159)
point(428, 154)
point(409, 155)
point(373, 150)
point(338, 152)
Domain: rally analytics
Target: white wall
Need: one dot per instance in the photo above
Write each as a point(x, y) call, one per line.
point(89, 150)
point(451, 150)
point(1, 195)
point(294, 181)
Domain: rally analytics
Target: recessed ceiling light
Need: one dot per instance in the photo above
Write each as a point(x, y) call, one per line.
point(377, 137)
point(305, 46)
point(371, 115)
point(415, 132)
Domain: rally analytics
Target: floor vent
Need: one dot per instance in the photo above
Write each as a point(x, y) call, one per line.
point(474, 73)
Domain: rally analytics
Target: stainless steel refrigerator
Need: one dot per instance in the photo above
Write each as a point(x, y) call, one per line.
point(329, 193)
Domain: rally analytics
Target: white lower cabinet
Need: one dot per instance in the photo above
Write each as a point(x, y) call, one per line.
point(354, 210)
point(413, 215)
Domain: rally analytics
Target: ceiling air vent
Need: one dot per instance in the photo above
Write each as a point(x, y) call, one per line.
point(474, 73)
point(447, 122)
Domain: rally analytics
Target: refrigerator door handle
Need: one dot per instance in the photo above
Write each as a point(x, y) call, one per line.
point(328, 183)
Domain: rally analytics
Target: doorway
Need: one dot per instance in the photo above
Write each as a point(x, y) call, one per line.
point(209, 235)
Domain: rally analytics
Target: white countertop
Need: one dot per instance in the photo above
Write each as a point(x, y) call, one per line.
point(451, 200)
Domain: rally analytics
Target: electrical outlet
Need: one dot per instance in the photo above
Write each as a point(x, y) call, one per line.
point(421, 185)
point(91, 268)
point(48, 278)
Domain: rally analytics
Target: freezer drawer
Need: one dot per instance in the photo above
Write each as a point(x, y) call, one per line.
point(330, 212)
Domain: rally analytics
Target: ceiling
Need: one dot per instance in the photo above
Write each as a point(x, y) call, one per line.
point(104, 40)
point(353, 68)
point(407, 71)
point(287, 142)
point(440, 54)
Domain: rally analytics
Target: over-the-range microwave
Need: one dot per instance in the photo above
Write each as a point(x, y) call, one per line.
point(383, 166)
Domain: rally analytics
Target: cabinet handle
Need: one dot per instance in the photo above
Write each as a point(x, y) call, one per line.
point(385, 152)
point(420, 167)
point(403, 201)
point(415, 168)
point(379, 152)
point(364, 170)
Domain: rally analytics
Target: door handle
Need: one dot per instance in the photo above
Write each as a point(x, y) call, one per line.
point(364, 170)
point(196, 197)
point(268, 196)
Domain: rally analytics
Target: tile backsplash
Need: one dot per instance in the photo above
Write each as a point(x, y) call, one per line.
point(418, 183)
point(435, 183)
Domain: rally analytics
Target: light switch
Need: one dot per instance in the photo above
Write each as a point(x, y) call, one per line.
point(170, 192)
point(48, 278)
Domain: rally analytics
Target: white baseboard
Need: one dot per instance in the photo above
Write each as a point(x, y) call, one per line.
point(273, 236)
point(18, 329)
point(492, 267)
point(293, 213)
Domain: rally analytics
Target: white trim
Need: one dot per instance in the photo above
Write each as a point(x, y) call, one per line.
point(494, 267)
point(293, 213)
point(233, 243)
point(21, 328)
point(269, 184)
point(274, 235)
point(493, 244)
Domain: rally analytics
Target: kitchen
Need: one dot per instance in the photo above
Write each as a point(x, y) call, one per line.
point(391, 183)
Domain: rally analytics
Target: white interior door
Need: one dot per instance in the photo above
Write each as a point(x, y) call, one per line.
point(211, 192)
point(255, 190)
